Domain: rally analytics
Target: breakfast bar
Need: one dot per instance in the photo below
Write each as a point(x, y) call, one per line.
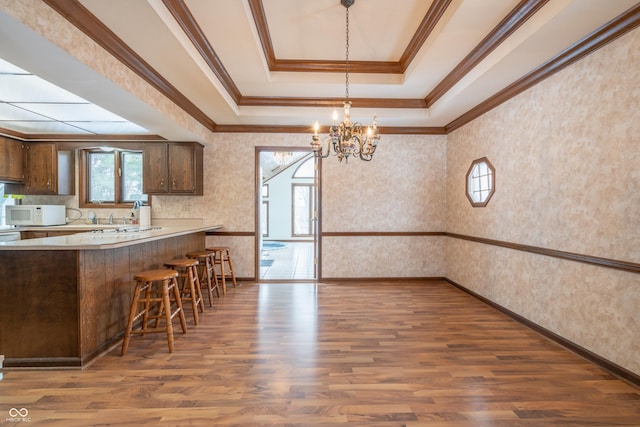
point(65, 299)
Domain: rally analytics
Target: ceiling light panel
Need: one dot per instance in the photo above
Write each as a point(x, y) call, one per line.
point(30, 104)
point(111, 128)
point(9, 112)
point(30, 88)
point(72, 112)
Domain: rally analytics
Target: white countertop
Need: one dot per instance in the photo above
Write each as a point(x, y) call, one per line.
point(109, 238)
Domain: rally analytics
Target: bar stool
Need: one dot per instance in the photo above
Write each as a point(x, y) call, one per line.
point(207, 276)
point(222, 255)
point(146, 293)
point(190, 290)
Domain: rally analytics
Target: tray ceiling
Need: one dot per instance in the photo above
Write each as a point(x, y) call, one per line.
point(278, 65)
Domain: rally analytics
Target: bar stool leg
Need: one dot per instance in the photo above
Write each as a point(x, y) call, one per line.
point(179, 311)
point(206, 276)
point(222, 273)
point(216, 284)
point(188, 285)
point(166, 304)
point(233, 274)
point(147, 306)
point(132, 316)
point(195, 280)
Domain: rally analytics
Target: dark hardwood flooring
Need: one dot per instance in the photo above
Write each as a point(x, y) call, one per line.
point(347, 354)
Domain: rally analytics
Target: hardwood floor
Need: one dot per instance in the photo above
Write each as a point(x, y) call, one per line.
point(370, 354)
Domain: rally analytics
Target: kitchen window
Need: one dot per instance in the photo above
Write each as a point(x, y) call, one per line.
point(111, 178)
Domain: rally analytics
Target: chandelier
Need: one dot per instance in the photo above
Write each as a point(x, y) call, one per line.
point(347, 138)
point(282, 157)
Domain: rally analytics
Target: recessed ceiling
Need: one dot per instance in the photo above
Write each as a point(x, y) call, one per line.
point(420, 66)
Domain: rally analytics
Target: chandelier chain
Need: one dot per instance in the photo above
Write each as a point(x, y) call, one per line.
point(346, 64)
point(347, 138)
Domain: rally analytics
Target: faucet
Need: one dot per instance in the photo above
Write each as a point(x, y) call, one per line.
point(110, 218)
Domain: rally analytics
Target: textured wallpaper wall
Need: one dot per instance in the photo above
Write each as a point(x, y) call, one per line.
point(566, 154)
point(400, 190)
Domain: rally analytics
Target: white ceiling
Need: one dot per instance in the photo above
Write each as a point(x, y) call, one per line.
point(304, 32)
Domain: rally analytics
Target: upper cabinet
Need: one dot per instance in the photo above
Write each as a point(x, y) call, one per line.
point(46, 171)
point(12, 162)
point(173, 168)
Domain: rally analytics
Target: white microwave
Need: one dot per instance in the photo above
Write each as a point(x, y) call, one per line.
point(36, 215)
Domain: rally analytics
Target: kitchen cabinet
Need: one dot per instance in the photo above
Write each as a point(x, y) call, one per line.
point(25, 235)
point(12, 163)
point(47, 171)
point(173, 168)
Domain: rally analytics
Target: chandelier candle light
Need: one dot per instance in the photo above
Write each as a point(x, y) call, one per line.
point(347, 138)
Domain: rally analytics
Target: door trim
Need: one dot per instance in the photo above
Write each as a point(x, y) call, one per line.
point(257, 209)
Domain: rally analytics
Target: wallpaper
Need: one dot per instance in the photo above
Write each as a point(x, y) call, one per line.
point(401, 189)
point(566, 154)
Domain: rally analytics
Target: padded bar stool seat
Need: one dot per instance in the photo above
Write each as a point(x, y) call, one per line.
point(154, 288)
point(207, 276)
point(222, 256)
point(190, 289)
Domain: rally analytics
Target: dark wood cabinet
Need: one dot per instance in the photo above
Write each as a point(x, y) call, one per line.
point(41, 169)
point(173, 168)
point(25, 235)
point(46, 171)
point(12, 160)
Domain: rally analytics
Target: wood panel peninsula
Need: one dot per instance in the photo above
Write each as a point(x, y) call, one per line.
point(64, 300)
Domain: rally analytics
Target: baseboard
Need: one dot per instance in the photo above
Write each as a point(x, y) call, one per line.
point(600, 361)
point(378, 279)
point(42, 362)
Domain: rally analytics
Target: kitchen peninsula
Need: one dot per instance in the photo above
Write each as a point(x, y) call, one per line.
point(65, 299)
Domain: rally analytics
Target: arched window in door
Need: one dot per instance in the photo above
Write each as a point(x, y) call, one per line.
point(302, 200)
point(305, 170)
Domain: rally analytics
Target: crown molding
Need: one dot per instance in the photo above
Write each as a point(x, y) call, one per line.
point(399, 130)
point(429, 22)
point(189, 25)
point(516, 18)
point(609, 32)
point(78, 15)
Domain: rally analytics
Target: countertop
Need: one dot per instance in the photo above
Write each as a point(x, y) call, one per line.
point(107, 237)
